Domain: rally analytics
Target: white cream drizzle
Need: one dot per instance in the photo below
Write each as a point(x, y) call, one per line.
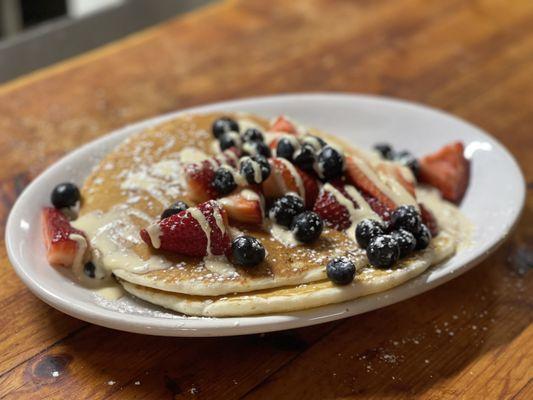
point(219, 265)
point(192, 154)
point(295, 175)
point(283, 235)
point(154, 231)
point(204, 225)
point(81, 248)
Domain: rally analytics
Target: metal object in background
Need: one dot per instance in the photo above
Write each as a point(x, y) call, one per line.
point(65, 37)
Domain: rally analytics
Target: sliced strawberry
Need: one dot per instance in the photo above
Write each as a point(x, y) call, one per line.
point(61, 249)
point(448, 170)
point(356, 175)
point(245, 206)
point(310, 186)
point(429, 220)
point(282, 124)
point(183, 233)
point(285, 177)
point(198, 176)
point(332, 212)
point(378, 207)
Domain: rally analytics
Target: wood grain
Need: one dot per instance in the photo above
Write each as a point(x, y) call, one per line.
point(471, 338)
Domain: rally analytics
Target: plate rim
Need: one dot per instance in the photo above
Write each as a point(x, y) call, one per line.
point(209, 326)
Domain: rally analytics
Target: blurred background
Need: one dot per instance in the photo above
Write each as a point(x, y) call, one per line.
point(37, 33)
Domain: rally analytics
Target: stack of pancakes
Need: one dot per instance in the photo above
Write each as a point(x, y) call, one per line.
point(137, 180)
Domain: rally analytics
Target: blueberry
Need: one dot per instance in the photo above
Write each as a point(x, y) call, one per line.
point(224, 182)
point(383, 251)
point(223, 125)
point(89, 269)
point(285, 148)
point(314, 141)
point(340, 271)
point(307, 226)
point(247, 251)
point(257, 148)
point(305, 157)
point(175, 208)
point(253, 135)
point(406, 217)
point(385, 150)
point(229, 139)
point(285, 209)
point(409, 160)
point(406, 241)
point(330, 163)
point(254, 169)
point(366, 230)
point(423, 237)
point(65, 195)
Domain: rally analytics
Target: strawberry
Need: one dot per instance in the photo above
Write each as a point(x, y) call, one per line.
point(61, 250)
point(429, 220)
point(356, 170)
point(282, 124)
point(448, 170)
point(184, 234)
point(378, 207)
point(198, 176)
point(332, 212)
point(245, 206)
point(282, 180)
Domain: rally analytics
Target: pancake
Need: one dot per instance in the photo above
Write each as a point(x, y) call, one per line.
point(141, 177)
point(300, 297)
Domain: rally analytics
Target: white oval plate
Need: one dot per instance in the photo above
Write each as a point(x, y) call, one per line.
point(493, 209)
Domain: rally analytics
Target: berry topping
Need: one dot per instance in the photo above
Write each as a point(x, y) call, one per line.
point(314, 141)
point(340, 271)
point(247, 251)
point(245, 206)
point(223, 181)
point(448, 170)
point(385, 149)
point(429, 220)
point(175, 208)
point(406, 241)
point(223, 125)
point(406, 217)
point(65, 195)
point(330, 210)
point(257, 148)
point(89, 269)
point(286, 148)
point(367, 230)
point(362, 176)
point(282, 124)
point(229, 139)
point(383, 251)
point(187, 232)
point(423, 237)
point(199, 176)
point(305, 157)
point(61, 248)
point(330, 163)
point(254, 169)
point(409, 160)
point(253, 135)
point(285, 209)
point(307, 227)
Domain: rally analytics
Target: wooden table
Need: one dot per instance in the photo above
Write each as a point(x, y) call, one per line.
point(471, 338)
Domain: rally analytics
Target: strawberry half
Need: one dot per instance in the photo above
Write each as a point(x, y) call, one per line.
point(61, 250)
point(183, 233)
point(245, 206)
point(358, 177)
point(286, 177)
point(199, 176)
point(448, 170)
point(282, 124)
point(331, 211)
